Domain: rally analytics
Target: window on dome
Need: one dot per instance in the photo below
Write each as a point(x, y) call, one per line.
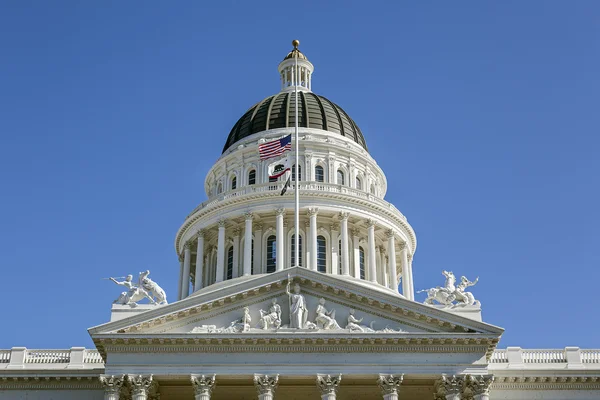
point(319, 174)
point(294, 172)
point(294, 250)
point(233, 183)
point(230, 263)
point(219, 188)
point(358, 183)
point(252, 177)
point(321, 254)
point(340, 177)
point(361, 255)
point(271, 254)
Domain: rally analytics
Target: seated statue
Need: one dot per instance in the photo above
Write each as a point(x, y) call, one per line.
point(272, 319)
point(354, 324)
point(325, 319)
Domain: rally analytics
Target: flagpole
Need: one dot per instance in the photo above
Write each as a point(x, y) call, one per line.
point(296, 166)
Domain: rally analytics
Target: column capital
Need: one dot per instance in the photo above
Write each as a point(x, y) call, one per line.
point(344, 215)
point(280, 212)
point(355, 231)
point(221, 223)
point(402, 245)
point(200, 233)
point(410, 257)
point(390, 233)
point(180, 258)
point(258, 226)
point(389, 384)
point(236, 231)
point(450, 385)
point(203, 384)
point(187, 245)
point(370, 222)
point(111, 383)
point(312, 211)
point(479, 384)
point(328, 384)
point(265, 384)
point(248, 215)
point(140, 384)
point(307, 224)
point(334, 227)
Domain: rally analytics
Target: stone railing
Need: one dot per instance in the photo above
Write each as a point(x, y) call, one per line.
point(75, 357)
point(517, 356)
point(305, 188)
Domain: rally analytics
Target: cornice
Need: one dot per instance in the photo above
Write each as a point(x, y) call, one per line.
point(50, 382)
point(550, 382)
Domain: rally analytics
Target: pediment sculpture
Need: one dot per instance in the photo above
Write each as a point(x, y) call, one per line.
point(144, 288)
point(452, 294)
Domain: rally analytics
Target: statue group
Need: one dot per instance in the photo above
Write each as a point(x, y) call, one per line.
point(145, 288)
point(452, 294)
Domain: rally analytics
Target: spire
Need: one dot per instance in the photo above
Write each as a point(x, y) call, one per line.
point(305, 70)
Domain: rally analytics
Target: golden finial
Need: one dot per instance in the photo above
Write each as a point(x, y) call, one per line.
point(295, 43)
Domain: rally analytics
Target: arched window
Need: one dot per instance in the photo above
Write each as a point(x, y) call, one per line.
point(233, 183)
point(219, 188)
point(340, 177)
point(294, 250)
point(271, 254)
point(321, 254)
point(294, 172)
point(230, 263)
point(252, 177)
point(319, 174)
point(358, 183)
point(361, 254)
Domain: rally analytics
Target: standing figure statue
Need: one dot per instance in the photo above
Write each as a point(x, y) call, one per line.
point(272, 319)
point(133, 294)
point(298, 310)
point(325, 319)
point(155, 291)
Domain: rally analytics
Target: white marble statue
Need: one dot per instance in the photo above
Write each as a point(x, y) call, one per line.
point(237, 326)
point(354, 324)
point(155, 291)
point(451, 293)
point(298, 310)
point(271, 319)
point(325, 319)
point(133, 294)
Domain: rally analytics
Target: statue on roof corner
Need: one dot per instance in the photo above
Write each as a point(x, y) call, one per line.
point(452, 294)
point(145, 288)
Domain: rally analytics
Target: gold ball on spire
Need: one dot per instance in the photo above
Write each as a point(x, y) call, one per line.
point(295, 43)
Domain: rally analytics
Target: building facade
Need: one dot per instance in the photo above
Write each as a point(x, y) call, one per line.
point(339, 322)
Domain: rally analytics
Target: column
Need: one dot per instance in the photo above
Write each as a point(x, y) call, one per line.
point(479, 386)
point(266, 386)
point(312, 212)
point(328, 385)
point(187, 260)
point(344, 232)
point(405, 274)
point(199, 274)
point(392, 274)
point(378, 264)
point(307, 242)
point(449, 387)
point(389, 385)
point(258, 237)
point(279, 262)
point(411, 287)
point(248, 244)
point(371, 233)
point(112, 386)
point(236, 253)
point(140, 386)
point(203, 386)
point(356, 249)
point(335, 249)
point(180, 277)
point(220, 252)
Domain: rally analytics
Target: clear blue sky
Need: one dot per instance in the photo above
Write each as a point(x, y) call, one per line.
point(484, 116)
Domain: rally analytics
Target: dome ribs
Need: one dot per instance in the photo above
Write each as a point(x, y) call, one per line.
point(274, 117)
point(259, 117)
point(307, 120)
point(292, 111)
point(324, 121)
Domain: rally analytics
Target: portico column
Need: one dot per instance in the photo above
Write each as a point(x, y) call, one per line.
point(479, 386)
point(187, 260)
point(307, 243)
point(258, 238)
point(140, 386)
point(356, 249)
point(199, 274)
point(280, 260)
point(389, 385)
point(312, 212)
point(220, 252)
point(112, 386)
point(328, 385)
point(203, 386)
point(344, 230)
point(378, 264)
point(449, 387)
point(236, 253)
point(180, 277)
point(411, 286)
point(266, 386)
point(372, 272)
point(405, 271)
point(248, 244)
point(393, 277)
point(336, 261)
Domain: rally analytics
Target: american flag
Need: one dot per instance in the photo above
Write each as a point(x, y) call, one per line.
point(275, 148)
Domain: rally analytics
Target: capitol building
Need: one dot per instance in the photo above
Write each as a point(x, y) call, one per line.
point(318, 305)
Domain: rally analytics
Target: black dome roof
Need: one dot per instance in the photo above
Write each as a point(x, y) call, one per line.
point(278, 111)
